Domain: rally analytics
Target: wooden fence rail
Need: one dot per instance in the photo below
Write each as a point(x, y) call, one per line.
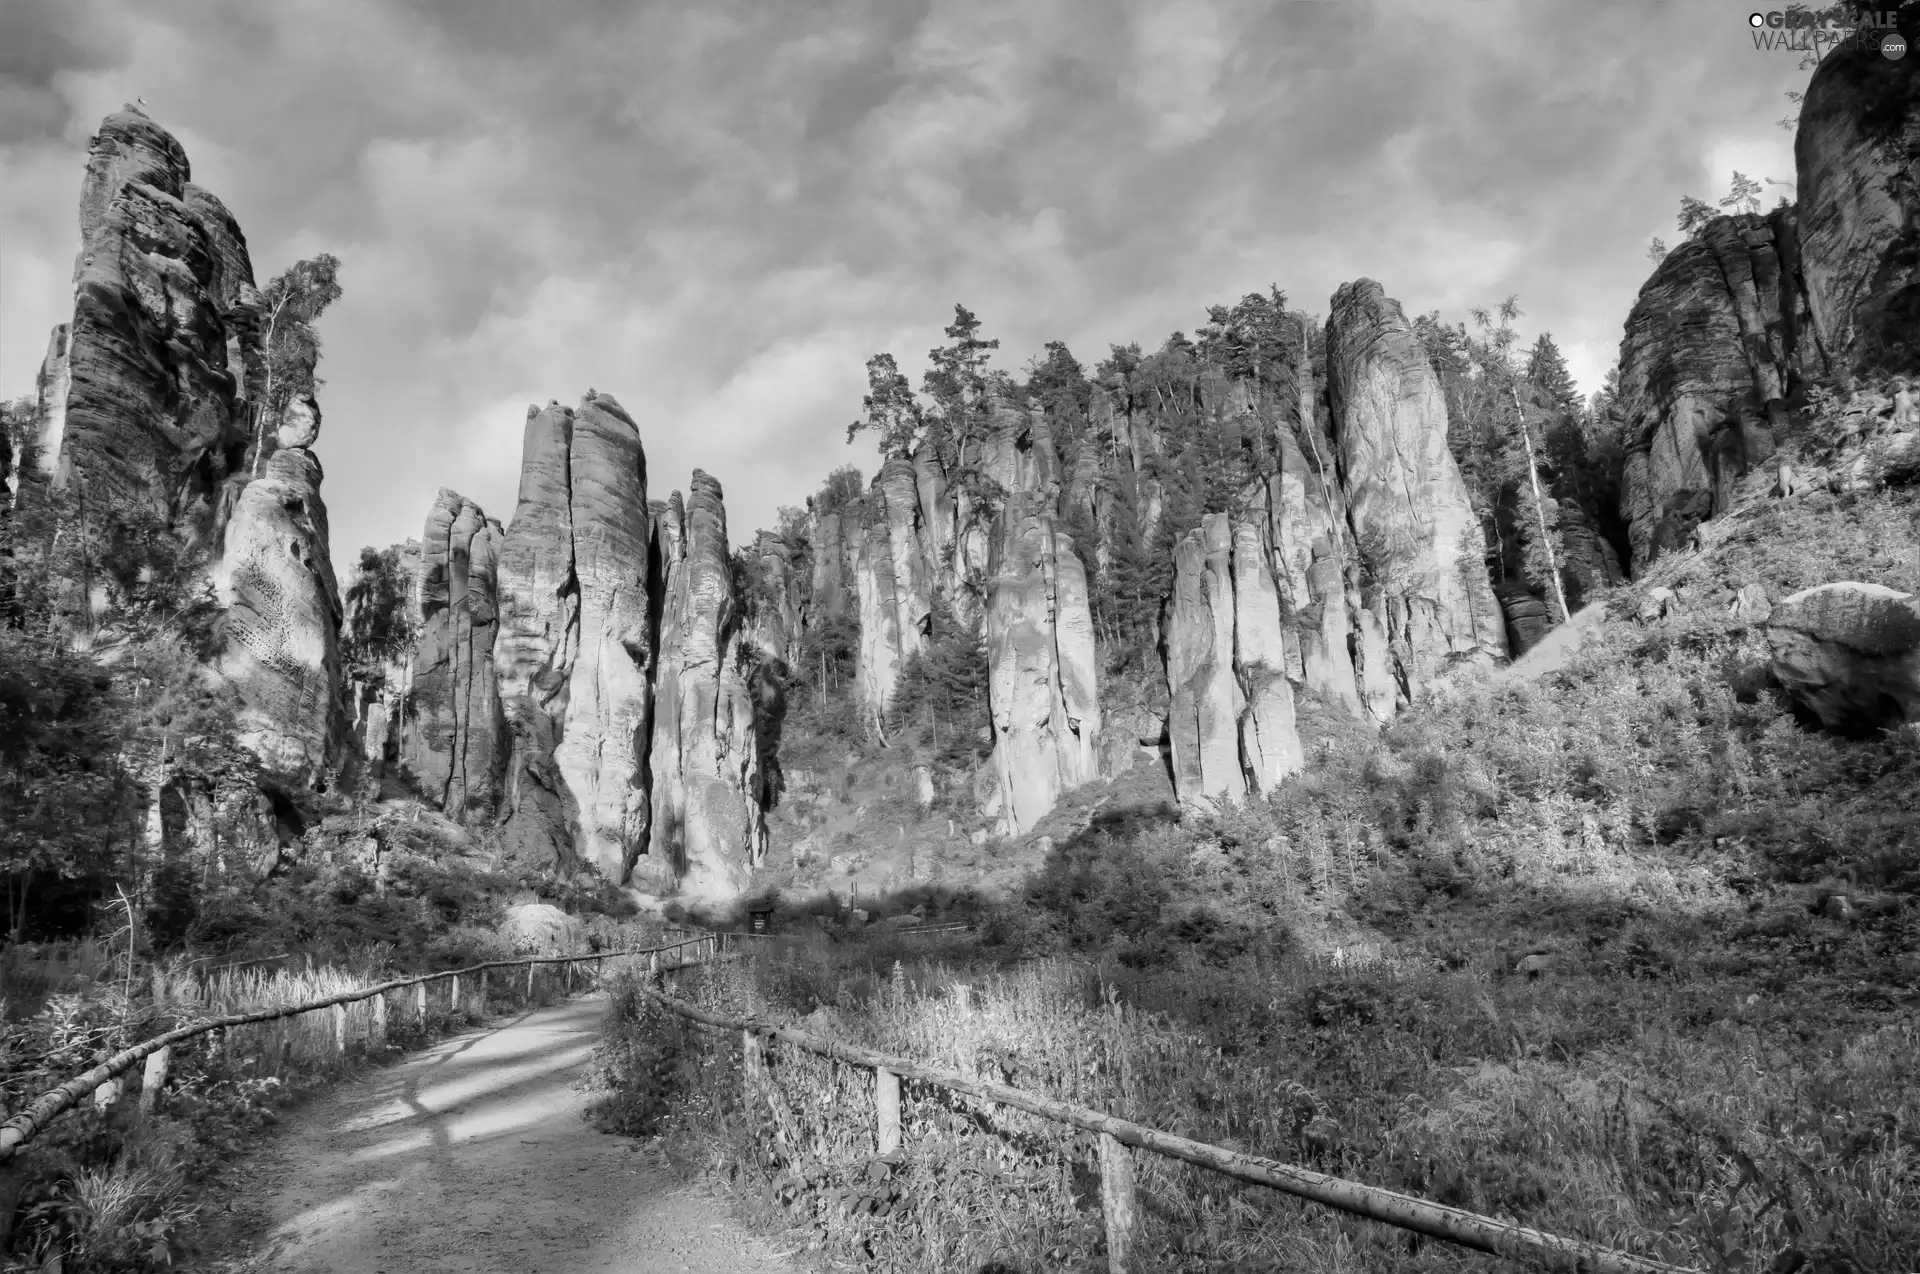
point(29, 1123)
point(1453, 1225)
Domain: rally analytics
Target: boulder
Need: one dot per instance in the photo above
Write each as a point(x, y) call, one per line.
point(1751, 603)
point(540, 928)
point(1659, 603)
point(1849, 655)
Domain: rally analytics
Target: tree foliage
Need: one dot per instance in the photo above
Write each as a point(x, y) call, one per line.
point(292, 304)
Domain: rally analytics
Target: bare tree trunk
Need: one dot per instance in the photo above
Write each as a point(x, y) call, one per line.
point(1540, 511)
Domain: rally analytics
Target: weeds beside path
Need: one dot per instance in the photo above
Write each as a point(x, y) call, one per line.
point(473, 1156)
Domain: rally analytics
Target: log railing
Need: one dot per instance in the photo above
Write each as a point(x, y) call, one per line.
point(157, 1052)
point(1121, 1212)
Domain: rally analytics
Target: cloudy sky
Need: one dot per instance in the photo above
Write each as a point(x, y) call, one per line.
point(717, 210)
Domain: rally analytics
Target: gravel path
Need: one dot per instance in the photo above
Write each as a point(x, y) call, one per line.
point(473, 1156)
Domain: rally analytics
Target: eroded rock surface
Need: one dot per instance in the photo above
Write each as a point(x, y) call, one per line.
point(1855, 153)
point(1849, 653)
point(708, 822)
point(574, 646)
point(456, 742)
point(1406, 503)
point(282, 628)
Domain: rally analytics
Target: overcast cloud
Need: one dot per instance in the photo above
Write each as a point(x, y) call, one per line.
point(717, 211)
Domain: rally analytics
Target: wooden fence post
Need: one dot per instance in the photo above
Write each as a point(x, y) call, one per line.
point(107, 1094)
point(420, 1001)
point(1118, 1203)
point(569, 977)
point(481, 1003)
point(380, 1019)
point(653, 963)
point(753, 1067)
point(531, 966)
point(339, 1030)
point(886, 1102)
point(453, 994)
point(155, 1078)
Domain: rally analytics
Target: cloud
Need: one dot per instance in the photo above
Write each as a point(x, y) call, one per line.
point(717, 212)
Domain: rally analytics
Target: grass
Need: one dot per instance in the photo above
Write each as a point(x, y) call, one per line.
point(107, 1188)
point(1563, 950)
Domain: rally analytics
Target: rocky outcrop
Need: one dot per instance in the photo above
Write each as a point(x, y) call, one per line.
point(897, 492)
point(1716, 341)
point(709, 823)
point(1041, 666)
point(155, 411)
point(1417, 539)
point(1858, 185)
point(1849, 655)
point(456, 736)
point(777, 618)
point(573, 649)
point(879, 650)
point(281, 632)
point(1230, 724)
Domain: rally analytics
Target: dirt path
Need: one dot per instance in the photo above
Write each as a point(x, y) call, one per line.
point(472, 1156)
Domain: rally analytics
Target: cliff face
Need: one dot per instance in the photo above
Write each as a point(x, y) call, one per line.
point(708, 820)
point(1418, 541)
point(574, 645)
point(1231, 719)
point(455, 741)
point(1733, 320)
point(154, 410)
point(1857, 156)
point(145, 405)
point(1715, 343)
point(1042, 672)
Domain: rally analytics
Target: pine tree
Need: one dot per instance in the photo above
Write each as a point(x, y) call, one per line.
point(1657, 250)
point(890, 408)
point(1744, 195)
point(1547, 369)
point(1694, 214)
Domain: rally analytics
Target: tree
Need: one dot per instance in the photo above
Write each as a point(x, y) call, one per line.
point(293, 302)
point(1744, 196)
point(890, 408)
point(1548, 370)
point(1657, 250)
point(1694, 214)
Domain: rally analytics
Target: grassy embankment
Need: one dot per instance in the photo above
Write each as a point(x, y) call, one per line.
point(1706, 1057)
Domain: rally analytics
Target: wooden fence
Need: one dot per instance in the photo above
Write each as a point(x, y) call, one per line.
point(157, 1052)
point(1121, 1212)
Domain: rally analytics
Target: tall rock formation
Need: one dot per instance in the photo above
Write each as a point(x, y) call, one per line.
point(145, 406)
point(1042, 670)
point(456, 737)
point(1419, 543)
point(154, 409)
point(1733, 320)
point(709, 827)
point(574, 649)
point(1857, 158)
point(281, 651)
point(1717, 339)
point(1230, 722)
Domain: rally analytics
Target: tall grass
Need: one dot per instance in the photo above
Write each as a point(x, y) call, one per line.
point(1593, 1110)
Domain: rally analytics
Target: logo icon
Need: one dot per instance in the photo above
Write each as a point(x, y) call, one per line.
point(1757, 20)
point(1894, 46)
